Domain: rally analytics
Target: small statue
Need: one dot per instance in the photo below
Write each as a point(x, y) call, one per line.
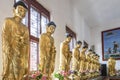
point(88, 60)
point(95, 65)
point(75, 61)
point(52, 65)
point(68, 61)
point(111, 66)
point(47, 50)
point(65, 54)
point(15, 45)
point(92, 64)
point(76, 56)
point(83, 59)
point(98, 64)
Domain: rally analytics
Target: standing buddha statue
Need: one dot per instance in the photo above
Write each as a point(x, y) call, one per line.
point(47, 51)
point(76, 56)
point(65, 54)
point(15, 45)
point(111, 66)
point(83, 59)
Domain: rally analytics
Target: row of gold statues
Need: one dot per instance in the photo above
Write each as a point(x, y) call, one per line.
point(15, 51)
point(83, 65)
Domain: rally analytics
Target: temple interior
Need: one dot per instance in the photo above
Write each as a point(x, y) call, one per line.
point(91, 25)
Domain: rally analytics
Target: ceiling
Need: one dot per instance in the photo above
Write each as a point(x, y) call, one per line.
point(98, 12)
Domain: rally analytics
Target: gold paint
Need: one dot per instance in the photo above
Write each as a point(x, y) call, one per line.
point(47, 52)
point(65, 55)
point(111, 66)
point(15, 46)
point(83, 60)
point(76, 58)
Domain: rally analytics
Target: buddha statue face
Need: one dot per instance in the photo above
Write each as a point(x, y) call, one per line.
point(84, 49)
point(78, 45)
point(51, 29)
point(111, 58)
point(20, 11)
point(89, 53)
point(68, 39)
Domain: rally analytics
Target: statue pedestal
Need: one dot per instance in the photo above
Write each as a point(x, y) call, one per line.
point(74, 77)
point(97, 78)
point(114, 78)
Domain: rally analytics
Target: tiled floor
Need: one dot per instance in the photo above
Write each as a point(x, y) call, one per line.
point(111, 78)
point(106, 78)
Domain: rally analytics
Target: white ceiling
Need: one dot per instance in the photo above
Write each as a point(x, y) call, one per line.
point(98, 12)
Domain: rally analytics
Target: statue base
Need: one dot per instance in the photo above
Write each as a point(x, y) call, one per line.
point(74, 77)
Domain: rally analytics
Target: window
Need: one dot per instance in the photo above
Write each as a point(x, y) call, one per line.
point(36, 19)
point(73, 40)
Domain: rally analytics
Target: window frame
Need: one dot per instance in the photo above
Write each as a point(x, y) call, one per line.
point(68, 30)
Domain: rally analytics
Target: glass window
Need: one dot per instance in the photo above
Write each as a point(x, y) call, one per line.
point(33, 56)
point(35, 22)
point(17, 0)
point(25, 20)
point(44, 21)
point(72, 43)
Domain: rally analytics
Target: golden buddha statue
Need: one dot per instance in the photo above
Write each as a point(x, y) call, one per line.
point(75, 61)
point(91, 64)
point(94, 61)
point(83, 59)
point(76, 56)
point(15, 45)
point(95, 65)
point(68, 61)
point(98, 63)
point(88, 60)
point(47, 50)
point(111, 66)
point(65, 54)
point(52, 63)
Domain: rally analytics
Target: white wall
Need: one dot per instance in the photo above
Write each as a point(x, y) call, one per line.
point(96, 39)
point(82, 29)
